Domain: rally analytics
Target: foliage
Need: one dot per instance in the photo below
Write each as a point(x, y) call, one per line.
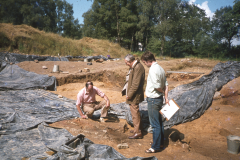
point(225, 25)
point(49, 15)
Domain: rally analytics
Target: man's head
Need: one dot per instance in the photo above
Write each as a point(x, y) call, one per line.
point(147, 58)
point(89, 86)
point(129, 59)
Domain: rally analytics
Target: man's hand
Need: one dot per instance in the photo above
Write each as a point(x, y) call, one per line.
point(107, 101)
point(167, 101)
point(107, 106)
point(84, 116)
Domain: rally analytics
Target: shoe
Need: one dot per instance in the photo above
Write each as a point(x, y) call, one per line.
point(150, 150)
point(102, 119)
point(132, 131)
point(136, 136)
point(161, 147)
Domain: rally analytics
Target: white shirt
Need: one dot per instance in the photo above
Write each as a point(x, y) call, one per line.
point(134, 63)
point(156, 79)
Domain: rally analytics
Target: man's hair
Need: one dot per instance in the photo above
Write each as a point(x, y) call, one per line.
point(129, 58)
point(88, 83)
point(148, 56)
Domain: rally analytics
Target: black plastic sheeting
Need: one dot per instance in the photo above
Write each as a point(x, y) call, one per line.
point(24, 130)
point(193, 98)
point(13, 77)
point(14, 57)
point(196, 97)
point(89, 57)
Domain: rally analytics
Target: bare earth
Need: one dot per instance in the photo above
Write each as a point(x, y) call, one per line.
point(202, 139)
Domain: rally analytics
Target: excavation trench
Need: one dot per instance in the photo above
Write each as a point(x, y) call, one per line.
point(108, 82)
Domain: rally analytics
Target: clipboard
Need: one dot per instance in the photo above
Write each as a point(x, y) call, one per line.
point(168, 111)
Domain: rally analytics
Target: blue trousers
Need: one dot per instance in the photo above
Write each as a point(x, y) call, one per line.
point(155, 118)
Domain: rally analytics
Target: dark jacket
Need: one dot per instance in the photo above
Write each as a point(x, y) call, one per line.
point(135, 84)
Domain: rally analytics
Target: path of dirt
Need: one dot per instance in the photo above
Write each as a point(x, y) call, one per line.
point(204, 138)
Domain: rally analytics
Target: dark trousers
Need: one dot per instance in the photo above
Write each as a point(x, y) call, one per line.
point(155, 118)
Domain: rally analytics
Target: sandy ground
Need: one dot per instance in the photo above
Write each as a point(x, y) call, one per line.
point(203, 138)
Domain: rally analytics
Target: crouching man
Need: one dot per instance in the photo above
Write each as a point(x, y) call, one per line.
point(86, 99)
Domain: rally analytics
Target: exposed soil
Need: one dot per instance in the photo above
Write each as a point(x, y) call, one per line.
point(203, 138)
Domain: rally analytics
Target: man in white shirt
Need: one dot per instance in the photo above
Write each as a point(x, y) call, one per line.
point(157, 86)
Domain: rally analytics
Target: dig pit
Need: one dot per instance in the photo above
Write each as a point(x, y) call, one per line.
point(108, 82)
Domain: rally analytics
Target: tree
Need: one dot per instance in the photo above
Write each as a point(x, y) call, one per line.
point(145, 24)
point(129, 21)
point(225, 25)
point(48, 15)
point(10, 11)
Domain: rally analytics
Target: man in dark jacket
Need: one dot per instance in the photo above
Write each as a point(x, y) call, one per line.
point(134, 92)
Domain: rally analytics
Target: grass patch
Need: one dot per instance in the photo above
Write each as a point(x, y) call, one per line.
point(29, 40)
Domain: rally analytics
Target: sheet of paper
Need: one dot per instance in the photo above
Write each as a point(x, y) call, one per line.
point(168, 111)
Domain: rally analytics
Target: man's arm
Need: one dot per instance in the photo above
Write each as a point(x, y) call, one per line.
point(79, 103)
point(107, 101)
point(159, 90)
point(166, 95)
point(101, 94)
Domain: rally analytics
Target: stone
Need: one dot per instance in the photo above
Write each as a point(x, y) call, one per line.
point(44, 67)
point(105, 131)
point(217, 95)
point(122, 146)
point(36, 61)
point(99, 60)
point(89, 63)
point(60, 96)
point(87, 60)
point(86, 70)
point(80, 70)
point(185, 146)
point(65, 72)
point(217, 108)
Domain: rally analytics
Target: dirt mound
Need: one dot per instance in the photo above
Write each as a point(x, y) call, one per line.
point(181, 76)
point(231, 89)
point(29, 40)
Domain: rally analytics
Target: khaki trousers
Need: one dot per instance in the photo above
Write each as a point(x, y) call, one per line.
point(90, 108)
point(135, 117)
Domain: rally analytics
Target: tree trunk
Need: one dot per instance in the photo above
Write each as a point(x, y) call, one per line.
point(162, 45)
point(131, 43)
point(118, 30)
point(229, 44)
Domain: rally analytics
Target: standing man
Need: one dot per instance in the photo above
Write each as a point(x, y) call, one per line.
point(134, 92)
point(157, 86)
point(86, 99)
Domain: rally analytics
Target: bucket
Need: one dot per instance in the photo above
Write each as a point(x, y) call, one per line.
point(233, 143)
point(87, 60)
point(56, 68)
